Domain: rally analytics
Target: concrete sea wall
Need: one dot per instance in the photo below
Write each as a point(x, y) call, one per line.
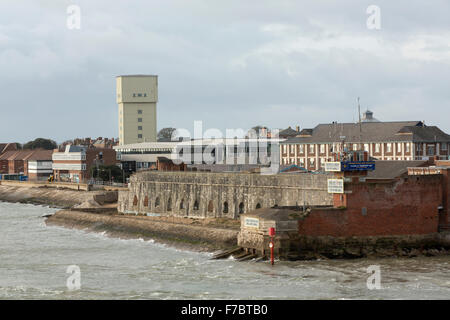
point(61, 198)
point(202, 195)
point(179, 233)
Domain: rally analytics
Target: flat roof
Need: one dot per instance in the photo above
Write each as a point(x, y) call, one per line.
point(137, 75)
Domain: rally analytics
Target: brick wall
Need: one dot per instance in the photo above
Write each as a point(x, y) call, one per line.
point(402, 207)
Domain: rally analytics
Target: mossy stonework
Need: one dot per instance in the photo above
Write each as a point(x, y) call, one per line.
point(215, 195)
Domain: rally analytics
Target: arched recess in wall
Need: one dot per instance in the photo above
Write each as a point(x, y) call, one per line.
point(225, 207)
point(169, 204)
point(196, 205)
point(135, 201)
point(210, 206)
point(182, 204)
point(241, 208)
point(146, 201)
point(258, 206)
point(157, 202)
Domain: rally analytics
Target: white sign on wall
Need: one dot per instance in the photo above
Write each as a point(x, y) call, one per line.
point(251, 222)
point(335, 186)
point(333, 166)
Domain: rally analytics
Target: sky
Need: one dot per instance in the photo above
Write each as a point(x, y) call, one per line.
point(231, 64)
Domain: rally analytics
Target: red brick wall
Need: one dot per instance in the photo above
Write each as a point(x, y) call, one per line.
point(406, 206)
point(4, 165)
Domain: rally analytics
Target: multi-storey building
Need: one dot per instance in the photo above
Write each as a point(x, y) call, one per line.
point(36, 164)
point(75, 163)
point(137, 96)
point(403, 140)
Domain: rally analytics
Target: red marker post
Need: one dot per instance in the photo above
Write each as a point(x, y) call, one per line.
point(271, 234)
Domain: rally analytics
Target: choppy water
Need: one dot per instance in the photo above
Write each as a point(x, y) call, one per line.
point(34, 259)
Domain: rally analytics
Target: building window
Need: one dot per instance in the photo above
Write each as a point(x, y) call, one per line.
point(139, 128)
point(139, 136)
point(389, 147)
point(377, 147)
point(399, 147)
point(322, 148)
point(284, 148)
point(311, 148)
point(444, 146)
point(355, 146)
point(301, 148)
point(407, 147)
point(430, 150)
point(366, 147)
point(139, 119)
point(139, 111)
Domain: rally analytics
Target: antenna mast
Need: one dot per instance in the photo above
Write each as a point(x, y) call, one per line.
point(360, 129)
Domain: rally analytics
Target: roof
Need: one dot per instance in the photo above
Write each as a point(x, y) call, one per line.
point(17, 155)
point(37, 154)
point(137, 75)
point(3, 146)
point(370, 132)
point(284, 168)
point(390, 169)
point(425, 134)
point(288, 132)
point(41, 155)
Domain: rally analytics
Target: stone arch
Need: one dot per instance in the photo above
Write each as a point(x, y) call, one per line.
point(258, 205)
point(169, 204)
point(241, 208)
point(157, 202)
point(210, 206)
point(225, 207)
point(135, 201)
point(182, 204)
point(196, 205)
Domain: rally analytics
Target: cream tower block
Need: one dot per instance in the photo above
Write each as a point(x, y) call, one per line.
point(137, 96)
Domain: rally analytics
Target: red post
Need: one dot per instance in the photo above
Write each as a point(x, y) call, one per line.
point(271, 244)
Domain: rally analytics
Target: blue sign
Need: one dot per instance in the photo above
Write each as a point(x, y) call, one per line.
point(357, 165)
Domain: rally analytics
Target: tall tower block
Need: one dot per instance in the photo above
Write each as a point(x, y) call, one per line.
point(137, 96)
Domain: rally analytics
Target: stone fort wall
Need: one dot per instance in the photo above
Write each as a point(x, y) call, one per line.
point(215, 195)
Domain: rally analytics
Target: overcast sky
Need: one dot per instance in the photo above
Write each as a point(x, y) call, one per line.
point(231, 64)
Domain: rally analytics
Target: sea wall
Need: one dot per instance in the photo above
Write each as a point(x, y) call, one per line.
point(61, 197)
point(203, 195)
point(181, 233)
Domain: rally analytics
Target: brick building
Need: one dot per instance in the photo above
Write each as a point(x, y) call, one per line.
point(7, 147)
point(13, 162)
point(39, 165)
point(33, 163)
point(388, 201)
point(75, 162)
point(405, 140)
